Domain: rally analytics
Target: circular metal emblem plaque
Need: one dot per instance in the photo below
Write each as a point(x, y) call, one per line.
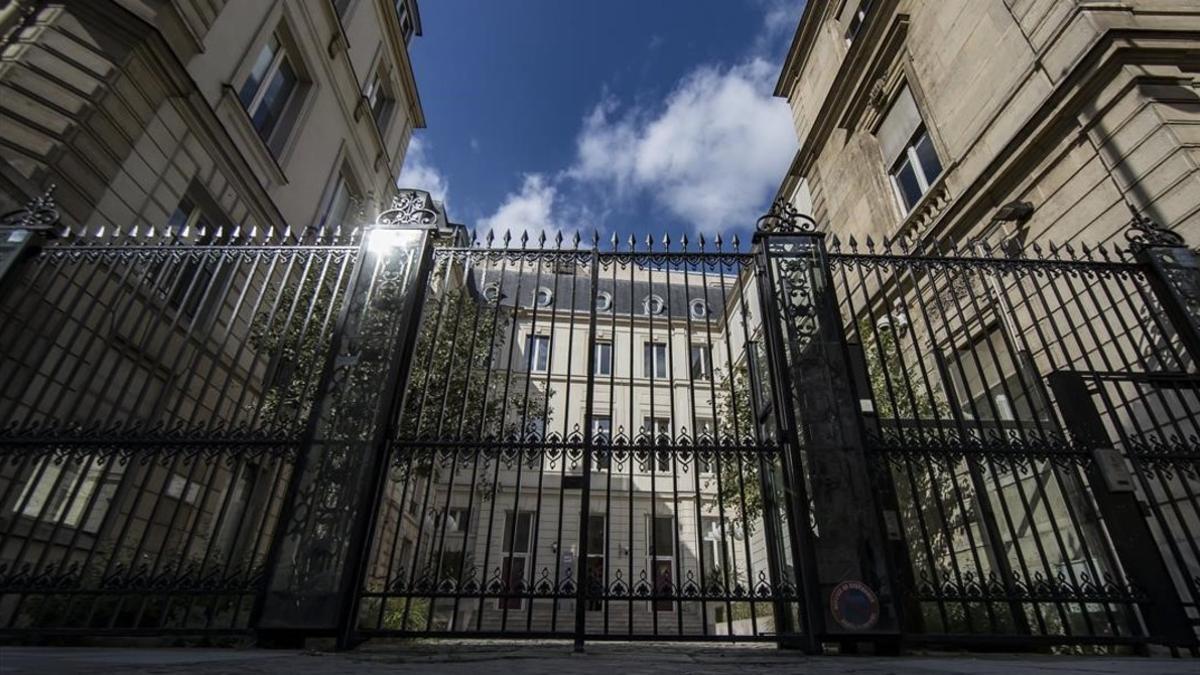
point(854, 605)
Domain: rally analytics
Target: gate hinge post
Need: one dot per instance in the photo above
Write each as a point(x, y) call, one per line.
point(814, 387)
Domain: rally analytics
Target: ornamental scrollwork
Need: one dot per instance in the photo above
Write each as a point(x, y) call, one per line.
point(783, 218)
point(410, 207)
point(39, 215)
point(1143, 233)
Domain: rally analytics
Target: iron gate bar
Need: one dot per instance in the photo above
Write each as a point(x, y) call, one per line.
point(585, 501)
point(658, 458)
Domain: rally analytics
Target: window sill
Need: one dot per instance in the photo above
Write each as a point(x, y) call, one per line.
point(262, 161)
point(926, 211)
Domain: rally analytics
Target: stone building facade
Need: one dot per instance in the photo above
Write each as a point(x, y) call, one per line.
point(924, 119)
point(270, 114)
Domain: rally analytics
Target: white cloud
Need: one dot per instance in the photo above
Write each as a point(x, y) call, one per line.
point(530, 209)
point(713, 153)
point(419, 172)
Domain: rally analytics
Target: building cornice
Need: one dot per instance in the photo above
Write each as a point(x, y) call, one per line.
point(802, 43)
point(879, 41)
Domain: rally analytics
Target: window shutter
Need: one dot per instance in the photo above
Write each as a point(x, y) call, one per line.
point(898, 126)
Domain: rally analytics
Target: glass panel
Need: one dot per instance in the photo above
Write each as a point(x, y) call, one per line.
point(270, 109)
point(601, 427)
point(663, 542)
point(595, 535)
point(700, 360)
point(604, 358)
point(927, 156)
point(906, 182)
point(655, 359)
point(513, 573)
point(539, 353)
point(261, 64)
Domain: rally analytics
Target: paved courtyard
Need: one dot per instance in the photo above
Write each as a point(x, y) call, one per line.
point(556, 658)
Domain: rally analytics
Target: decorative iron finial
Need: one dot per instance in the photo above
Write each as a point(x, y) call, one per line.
point(39, 215)
point(1142, 233)
point(409, 207)
point(783, 218)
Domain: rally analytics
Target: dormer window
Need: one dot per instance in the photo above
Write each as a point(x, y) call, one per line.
point(698, 308)
point(653, 305)
point(543, 297)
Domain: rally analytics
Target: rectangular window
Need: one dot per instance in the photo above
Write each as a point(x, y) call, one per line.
point(268, 88)
point(60, 493)
point(706, 434)
point(340, 202)
point(915, 170)
point(595, 560)
point(538, 353)
point(658, 432)
point(701, 358)
point(456, 520)
point(858, 16)
point(405, 17)
point(602, 435)
point(661, 545)
point(907, 150)
point(604, 358)
point(516, 545)
point(185, 283)
point(379, 99)
point(655, 360)
point(711, 527)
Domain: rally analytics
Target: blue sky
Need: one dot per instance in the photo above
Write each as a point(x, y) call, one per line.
point(622, 116)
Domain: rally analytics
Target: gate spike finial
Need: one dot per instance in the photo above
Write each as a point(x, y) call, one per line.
point(870, 244)
point(542, 239)
point(595, 238)
point(524, 238)
point(835, 244)
point(507, 238)
point(683, 241)
point(613, 241)
point(649, 243)
point(575, 239)
point(632, 242)
point(491, 237)
point(737, 242)
point(852, 244)
point(702, 242)
point(717, 241)
point(666, 241)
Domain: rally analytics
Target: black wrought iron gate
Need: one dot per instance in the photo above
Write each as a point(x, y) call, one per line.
point(400, 432)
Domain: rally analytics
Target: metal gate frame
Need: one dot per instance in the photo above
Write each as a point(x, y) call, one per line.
point(825, 434)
